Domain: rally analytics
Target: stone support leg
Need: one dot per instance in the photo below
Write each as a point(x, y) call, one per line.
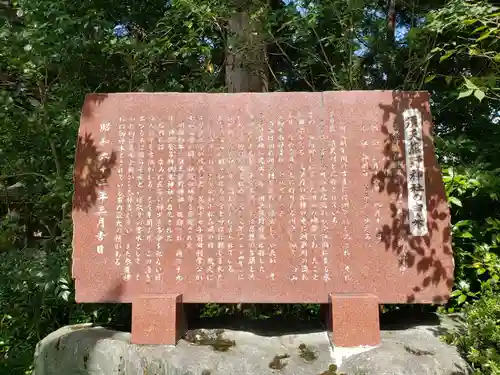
point(157, 319)
point(353, 320)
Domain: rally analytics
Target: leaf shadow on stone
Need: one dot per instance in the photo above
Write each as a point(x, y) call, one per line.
point(420, 252)
point(92, 166)
point(451, 324)
point(91, 102)
point(461, 371)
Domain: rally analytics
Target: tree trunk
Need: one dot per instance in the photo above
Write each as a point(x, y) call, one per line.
point(392, 75)
point(246, 58)
point(391, 21)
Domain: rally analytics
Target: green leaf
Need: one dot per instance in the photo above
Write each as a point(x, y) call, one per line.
point(479, 94)
point(430, 78)
point(469, 22)
point(479, 29)
point(448, 79)
point(474, 51)
point(455, 201)
point(465, 94)
point(461, 299)
point(65, 295)
point(461, 223)
point(447, 55)
point(469, 84)
point(484, 35)
point(456, 293)
point(34, 102)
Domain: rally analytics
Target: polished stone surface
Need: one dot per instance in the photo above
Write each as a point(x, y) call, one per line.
point(262, 197)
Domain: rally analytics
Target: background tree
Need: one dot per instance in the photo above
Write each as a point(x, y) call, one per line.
point(53, 53)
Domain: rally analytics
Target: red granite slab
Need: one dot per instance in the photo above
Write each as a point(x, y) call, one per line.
point(259, 197)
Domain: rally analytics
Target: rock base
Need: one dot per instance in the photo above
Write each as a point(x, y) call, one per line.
point(88, 350)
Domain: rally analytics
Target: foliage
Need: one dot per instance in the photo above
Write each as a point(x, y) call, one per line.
point(53, 53)
point(465, 68)
point(480, 340)
point(475, 29)
point(465, 47)
point(476, 239)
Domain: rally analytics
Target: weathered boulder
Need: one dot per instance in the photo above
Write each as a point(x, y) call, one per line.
point(414, 351)
point(88, 350)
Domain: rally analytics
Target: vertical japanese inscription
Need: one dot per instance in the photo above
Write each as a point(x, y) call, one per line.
point(202, 264)
point(160, 200)
point(292, 141)
point(304, 239)
point(318, 197)
point(120, 196)
point(196, 138)
point(102, 195)
point(180, 193)
point(241, 185)
point(398, 177)
point(140, 241)
point(345, 205)
point(129, 214)
point(312, 192)
point(332, 177)
point(258, 222)
point(225, 265)
point(178, 169)
point(415, 172)
point(370, 166)
point(215, 261)
point(365, 171)
point(151, 198)
point(274, 156)
point(191, 222)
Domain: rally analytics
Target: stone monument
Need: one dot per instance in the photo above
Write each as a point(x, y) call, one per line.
point(333, 198)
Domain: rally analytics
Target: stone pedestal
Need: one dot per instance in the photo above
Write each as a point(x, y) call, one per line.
point(87, 350)
point(157, 319)
point(353, 320)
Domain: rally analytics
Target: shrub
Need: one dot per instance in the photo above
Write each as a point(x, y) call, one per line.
point(479, 341)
